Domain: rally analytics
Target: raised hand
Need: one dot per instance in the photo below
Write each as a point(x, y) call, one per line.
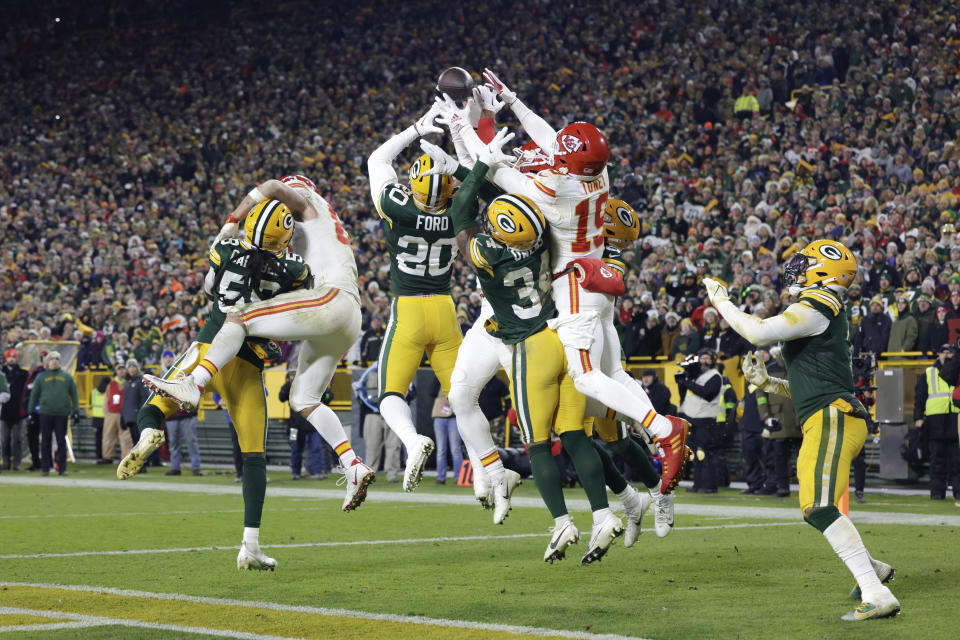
point(440, 161)
point(494, 83)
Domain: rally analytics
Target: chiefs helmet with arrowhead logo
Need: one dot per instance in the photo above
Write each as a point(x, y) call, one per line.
point(531, 158)
point(295, 180)
point(582, 150)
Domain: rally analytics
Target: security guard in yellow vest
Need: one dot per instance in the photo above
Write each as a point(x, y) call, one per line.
point(95, 411)
point(935, 412)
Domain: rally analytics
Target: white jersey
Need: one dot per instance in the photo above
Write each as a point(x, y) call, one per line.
point(573, 208)
point(325, 246)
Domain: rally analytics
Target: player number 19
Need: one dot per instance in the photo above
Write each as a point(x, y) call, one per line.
point(582, 211)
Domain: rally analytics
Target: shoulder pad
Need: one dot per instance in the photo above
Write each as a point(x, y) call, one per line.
point(548, 181)
point(822, 298)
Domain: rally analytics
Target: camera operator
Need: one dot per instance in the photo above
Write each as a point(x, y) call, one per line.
point(700, 384)
point(935, 412)
point(783, 431)
point(864, 366)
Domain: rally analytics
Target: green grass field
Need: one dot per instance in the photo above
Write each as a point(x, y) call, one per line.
point(155, 558)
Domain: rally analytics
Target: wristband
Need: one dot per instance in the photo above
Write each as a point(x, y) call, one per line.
point(256, 194)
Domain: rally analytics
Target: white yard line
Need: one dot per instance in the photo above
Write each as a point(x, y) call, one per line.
point(348, 543)
point(718, 511)
point(273, 606)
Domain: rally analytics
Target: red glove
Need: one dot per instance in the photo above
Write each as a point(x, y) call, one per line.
point(512, 416)
point(593, 275)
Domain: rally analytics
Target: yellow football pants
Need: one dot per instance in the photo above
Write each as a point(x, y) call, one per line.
point(543, 393)
point(608, 429)
point(241, 386)
point(418, 324)
point(831, 440)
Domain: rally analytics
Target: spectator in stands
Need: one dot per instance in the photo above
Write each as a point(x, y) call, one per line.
point(54, 396)
point(658, 392)
point(939, 332)
point(934, 411)
point(926, 317)
point(687, 342)
point(874, 333)
point(903, 330)
point(13, 412)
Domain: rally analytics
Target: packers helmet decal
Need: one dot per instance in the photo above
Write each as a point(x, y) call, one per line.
point(430, 193)
point(821, 263)
point(621, 226)
point(269, 226)
point(515, 221)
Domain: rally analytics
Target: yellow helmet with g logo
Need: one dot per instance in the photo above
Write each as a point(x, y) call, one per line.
point(515, 221)
point(430, 193)
point(269, 226)
point(821, 263)
point(621, 224)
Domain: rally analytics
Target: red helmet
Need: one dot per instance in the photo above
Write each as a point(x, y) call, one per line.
point(531, 158)
point(582, 149)
point(295, 180)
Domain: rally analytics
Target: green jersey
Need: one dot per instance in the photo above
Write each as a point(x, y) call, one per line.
point(228, 276)
point(517, 284)
point(818, 367)
point(422, 245)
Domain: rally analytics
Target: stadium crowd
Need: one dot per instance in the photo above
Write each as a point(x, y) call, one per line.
point(740, 133)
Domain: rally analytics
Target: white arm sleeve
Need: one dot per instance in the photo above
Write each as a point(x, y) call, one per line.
point(513, 181)
point(797, 321)
point(463, 156)
point(208, 282)
point(535, 126)
point(380, 163)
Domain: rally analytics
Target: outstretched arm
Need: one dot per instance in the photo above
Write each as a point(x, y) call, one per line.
point(380, 163)
point(797, 321)
point(536, 127)
point(460, 210)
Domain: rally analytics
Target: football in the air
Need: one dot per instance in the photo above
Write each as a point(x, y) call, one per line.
point(456, 83)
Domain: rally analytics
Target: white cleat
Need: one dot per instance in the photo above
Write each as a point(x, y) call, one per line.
point(357, 478)
point(602, 538)
point(563, 537)
point(882, 604)
point(635, 506)
point(183, 390)
point(150, 441)
point(663, 515)
point(416, 460)
point(253, 558)
point(482, 489)
point(501, 495)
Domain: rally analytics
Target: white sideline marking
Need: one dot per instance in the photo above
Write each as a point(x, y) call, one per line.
point(273, 606)
point(81, 620)
point(350, 543)
point(716, 511)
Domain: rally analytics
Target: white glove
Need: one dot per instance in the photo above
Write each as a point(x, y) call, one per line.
point(425, 124)
point(4, 396)
point(227, 231)
point(454, 117)
point(441, 161)
point(754, 371)
point(494, 83)
point(487, 99)
point(492, 153)
point(716, 290)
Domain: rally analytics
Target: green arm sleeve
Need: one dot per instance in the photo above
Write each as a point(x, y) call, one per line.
point(464, 204)
point(488, 191)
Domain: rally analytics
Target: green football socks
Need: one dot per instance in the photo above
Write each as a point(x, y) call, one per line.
point(546, 475)
point(254, 489)
point(588, 466)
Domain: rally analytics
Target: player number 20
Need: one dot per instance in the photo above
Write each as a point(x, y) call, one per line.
point(426, 258)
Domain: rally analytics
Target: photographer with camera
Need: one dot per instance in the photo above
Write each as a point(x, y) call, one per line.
point(864, 368)
point(935, 413)
point(700, 384)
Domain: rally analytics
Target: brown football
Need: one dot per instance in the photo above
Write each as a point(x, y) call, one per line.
point(456, 83)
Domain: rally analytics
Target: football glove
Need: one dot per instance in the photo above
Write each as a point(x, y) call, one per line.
point(754, 371)
point(494, 83)
point(425, 124)
point(227, 231)
point(716, 290)
point(487, 99)
point(454, 117)
point(492, 153)
point(442, 162)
